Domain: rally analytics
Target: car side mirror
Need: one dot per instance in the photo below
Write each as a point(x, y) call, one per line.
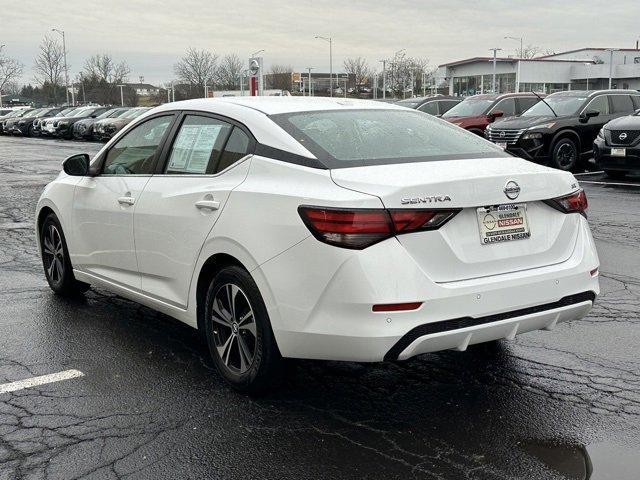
point(587, 114)
point(495, 114)
point(76, 165)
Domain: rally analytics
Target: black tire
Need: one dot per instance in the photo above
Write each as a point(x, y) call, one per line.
point(30, 131)
point(565, 154)
point(616, 174)
point(55, 259)
point(246, 329)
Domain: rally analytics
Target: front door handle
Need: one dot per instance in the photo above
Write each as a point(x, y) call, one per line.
point(207, 204)
point(126, 200)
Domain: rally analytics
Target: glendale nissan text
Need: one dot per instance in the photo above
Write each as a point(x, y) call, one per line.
point(285, 228)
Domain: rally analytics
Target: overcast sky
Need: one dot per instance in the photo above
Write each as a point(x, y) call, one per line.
point(151, 35)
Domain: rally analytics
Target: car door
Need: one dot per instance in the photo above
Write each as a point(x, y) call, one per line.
point(180, 205)
point(589, 128)
point(103, 243)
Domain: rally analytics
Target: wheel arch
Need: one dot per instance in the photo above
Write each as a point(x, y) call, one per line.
point(566, 133)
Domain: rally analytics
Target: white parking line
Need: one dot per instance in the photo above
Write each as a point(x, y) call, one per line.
point(42, 380)
point(610, 183)
point(588, 173)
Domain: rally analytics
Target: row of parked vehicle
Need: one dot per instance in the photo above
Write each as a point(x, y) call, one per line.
point(563, 129)
point(93, 122)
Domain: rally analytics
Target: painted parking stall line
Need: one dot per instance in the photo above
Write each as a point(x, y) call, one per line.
point(41, 380)
point(613, 184)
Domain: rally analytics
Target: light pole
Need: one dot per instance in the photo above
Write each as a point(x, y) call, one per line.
point(1, 47)
point(384, 79)
point(122, 94)
point(330, 40)
point(310, 89)
point(66, 69)
point(493, 82)
point(520, 39)
point(611, 50)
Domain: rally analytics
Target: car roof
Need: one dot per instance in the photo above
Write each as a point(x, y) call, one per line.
point(591, 93)
point(275, 105)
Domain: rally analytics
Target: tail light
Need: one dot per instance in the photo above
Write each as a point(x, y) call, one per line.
point(361, 228)
point(574, 203)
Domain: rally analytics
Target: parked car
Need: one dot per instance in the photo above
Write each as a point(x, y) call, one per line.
point(24, 125)
point(561, 130)
point(5, 111)
point(477, 112)
point(285, 227)
point(436, 105)
point(617, 147)
point(39, 121)
point(107, 128)
point(63, 126)
point(9, 119)
point(83, 129)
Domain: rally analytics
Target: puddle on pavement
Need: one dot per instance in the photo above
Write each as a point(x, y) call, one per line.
point(599, 461)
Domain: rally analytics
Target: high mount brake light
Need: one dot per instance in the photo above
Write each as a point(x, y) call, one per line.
point(361, 228)
point(574, 203)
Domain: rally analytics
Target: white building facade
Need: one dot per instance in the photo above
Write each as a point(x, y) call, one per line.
point(584, 69)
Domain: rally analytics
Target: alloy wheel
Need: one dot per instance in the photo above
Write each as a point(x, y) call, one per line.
point(53, 253)
point(234, 328)
point(566, 155)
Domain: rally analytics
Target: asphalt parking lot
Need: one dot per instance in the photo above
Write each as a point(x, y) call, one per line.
point(148, 403)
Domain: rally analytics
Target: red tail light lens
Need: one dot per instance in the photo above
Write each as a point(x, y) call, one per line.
point(361, 228)
point(574, 203)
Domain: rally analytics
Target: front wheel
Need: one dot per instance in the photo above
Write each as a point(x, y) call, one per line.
point(564, 154)
point(239, 333)
point(55, 259)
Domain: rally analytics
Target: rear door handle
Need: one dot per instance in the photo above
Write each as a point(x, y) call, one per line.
point(126, 200)
point(207, 204)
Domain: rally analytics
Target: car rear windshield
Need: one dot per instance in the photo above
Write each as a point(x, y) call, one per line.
point(561, 105)
point(471, 107)
point(351, 138)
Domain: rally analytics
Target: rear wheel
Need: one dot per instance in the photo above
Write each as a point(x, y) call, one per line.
point(564, 154)
point(618, 175)
point(239, 333)
point(55, 259)
point(30, 131)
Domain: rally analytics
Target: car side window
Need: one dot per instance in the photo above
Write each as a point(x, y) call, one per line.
point(636, 101)
point(599, 104)
point(622, 104)
point(507, 106)
point(525, 103)
point(135, 152)
point(237, 147)
point(447, 105)
point(429, 107)
point(197, 145)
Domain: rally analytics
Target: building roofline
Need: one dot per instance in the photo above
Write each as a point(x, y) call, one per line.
point(599, 49)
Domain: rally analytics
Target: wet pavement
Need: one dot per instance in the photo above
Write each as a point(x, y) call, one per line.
point(548, 405)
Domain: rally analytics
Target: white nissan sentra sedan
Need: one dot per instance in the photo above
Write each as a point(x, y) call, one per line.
point(320, 228)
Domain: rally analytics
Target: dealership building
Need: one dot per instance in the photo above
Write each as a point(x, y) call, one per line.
point(583, 69)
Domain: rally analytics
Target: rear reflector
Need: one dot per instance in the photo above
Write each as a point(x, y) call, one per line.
point(593, 272)
point(396, 307)
point(574, 203)
point(360, 228)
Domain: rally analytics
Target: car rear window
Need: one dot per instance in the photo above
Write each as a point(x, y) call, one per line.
point(350, 138)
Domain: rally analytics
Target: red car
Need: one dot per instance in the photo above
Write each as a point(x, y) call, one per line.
point(478, 111)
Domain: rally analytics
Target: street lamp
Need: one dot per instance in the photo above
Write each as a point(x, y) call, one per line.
point(66, 69)
point(611, 50)
point(384, 79)
point(329, 39)
point(310, 90)
point(1, 47)
point(520, 39)
point(493, 83)
point(256, 53)
point(121, 94)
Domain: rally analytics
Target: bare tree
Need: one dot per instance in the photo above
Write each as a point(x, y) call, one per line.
point(48, 68)
point(229, 72)
point(197, 68)
point(102, 67)
point(404, 73)
point(279, 77)
point(358, 68)
point(10, 71)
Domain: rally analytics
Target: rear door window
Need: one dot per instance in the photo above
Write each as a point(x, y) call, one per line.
point(507, 106)
point(600, 104)
point(236, 148)
point(622, 104)
point(636, 101)
point(429, 107)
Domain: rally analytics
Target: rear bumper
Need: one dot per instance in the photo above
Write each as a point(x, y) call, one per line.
point(320, 301)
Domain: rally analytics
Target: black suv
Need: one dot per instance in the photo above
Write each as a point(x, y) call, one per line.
point(617, 146)
point(432, 104)
point(561, 129)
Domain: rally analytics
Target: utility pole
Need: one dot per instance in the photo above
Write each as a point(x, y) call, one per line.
point(330, 40)
point(310, 89)
point(66, 69)
point(384, 79)
point(1, 47)
point(493, 82)
point(121, 94)
point(611, 50)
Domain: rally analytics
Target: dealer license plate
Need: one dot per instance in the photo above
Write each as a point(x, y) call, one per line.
point(503, 223)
